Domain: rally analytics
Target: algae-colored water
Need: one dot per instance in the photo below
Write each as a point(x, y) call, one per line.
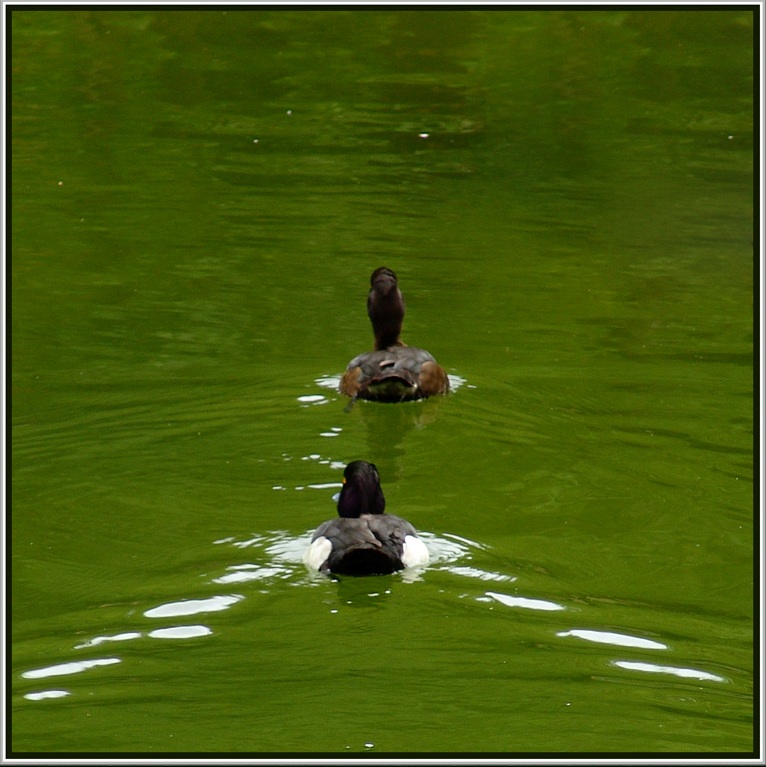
point(198, 199)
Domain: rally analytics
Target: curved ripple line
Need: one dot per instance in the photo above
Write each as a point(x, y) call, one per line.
point(611, 637)
point(180, 632)
point(244, 573)
point(46, 694)
point(687, 673)
point(75, 667)
point(116, 638)
point(473, 572)
point(530, 604)
point(193, 606)
point(467, 541)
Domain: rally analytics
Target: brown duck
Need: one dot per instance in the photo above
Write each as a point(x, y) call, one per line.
point(393, 372)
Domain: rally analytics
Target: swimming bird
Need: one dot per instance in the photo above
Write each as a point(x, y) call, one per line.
point(393, 372)
point(363, 539)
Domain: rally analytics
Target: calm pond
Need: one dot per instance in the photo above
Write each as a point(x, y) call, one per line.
point(199, 197)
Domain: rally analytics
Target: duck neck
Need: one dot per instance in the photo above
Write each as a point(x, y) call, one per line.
point(385, 308)
point(355, 501)
point(386, 336)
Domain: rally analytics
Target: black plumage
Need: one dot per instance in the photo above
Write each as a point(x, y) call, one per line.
point(363, 539)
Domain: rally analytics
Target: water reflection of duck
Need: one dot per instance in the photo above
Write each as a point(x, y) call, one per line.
point(393, 372)
point(363, 539)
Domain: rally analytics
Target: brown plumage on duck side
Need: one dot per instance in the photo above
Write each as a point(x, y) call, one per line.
point(393, 372)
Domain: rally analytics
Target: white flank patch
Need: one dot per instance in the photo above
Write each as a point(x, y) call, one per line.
point(414, 552)
point(317, 553)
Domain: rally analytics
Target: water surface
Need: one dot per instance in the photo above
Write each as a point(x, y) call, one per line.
point(198, 200)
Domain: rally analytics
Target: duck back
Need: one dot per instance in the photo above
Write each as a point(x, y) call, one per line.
point(372, 544)
point(394, 374)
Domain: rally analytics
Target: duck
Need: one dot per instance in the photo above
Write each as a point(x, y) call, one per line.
point(363, 539)
point(393, 371)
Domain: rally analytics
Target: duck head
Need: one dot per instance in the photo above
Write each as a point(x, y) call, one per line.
point(361, 492)
point(385, 308)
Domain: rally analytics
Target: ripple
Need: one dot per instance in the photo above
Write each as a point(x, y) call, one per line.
point(339, 465)
point(329, 382)
point(180, 632)
point(75, 667)
point(287, 548)
point(686, 673)
point(313, 399)
point(530, 604)
point(483, 575)
point(254, 541)
point(193, 606)
point(46, 694)
point(333, 381)
point(278, 547)
point(443, 549)
point(466, 541)
point(610, 637)
point(116, 638)
point(282, 558)
point(247, 572)
point(277, 556)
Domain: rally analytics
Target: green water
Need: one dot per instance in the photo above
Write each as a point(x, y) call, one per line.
point(198, 199)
